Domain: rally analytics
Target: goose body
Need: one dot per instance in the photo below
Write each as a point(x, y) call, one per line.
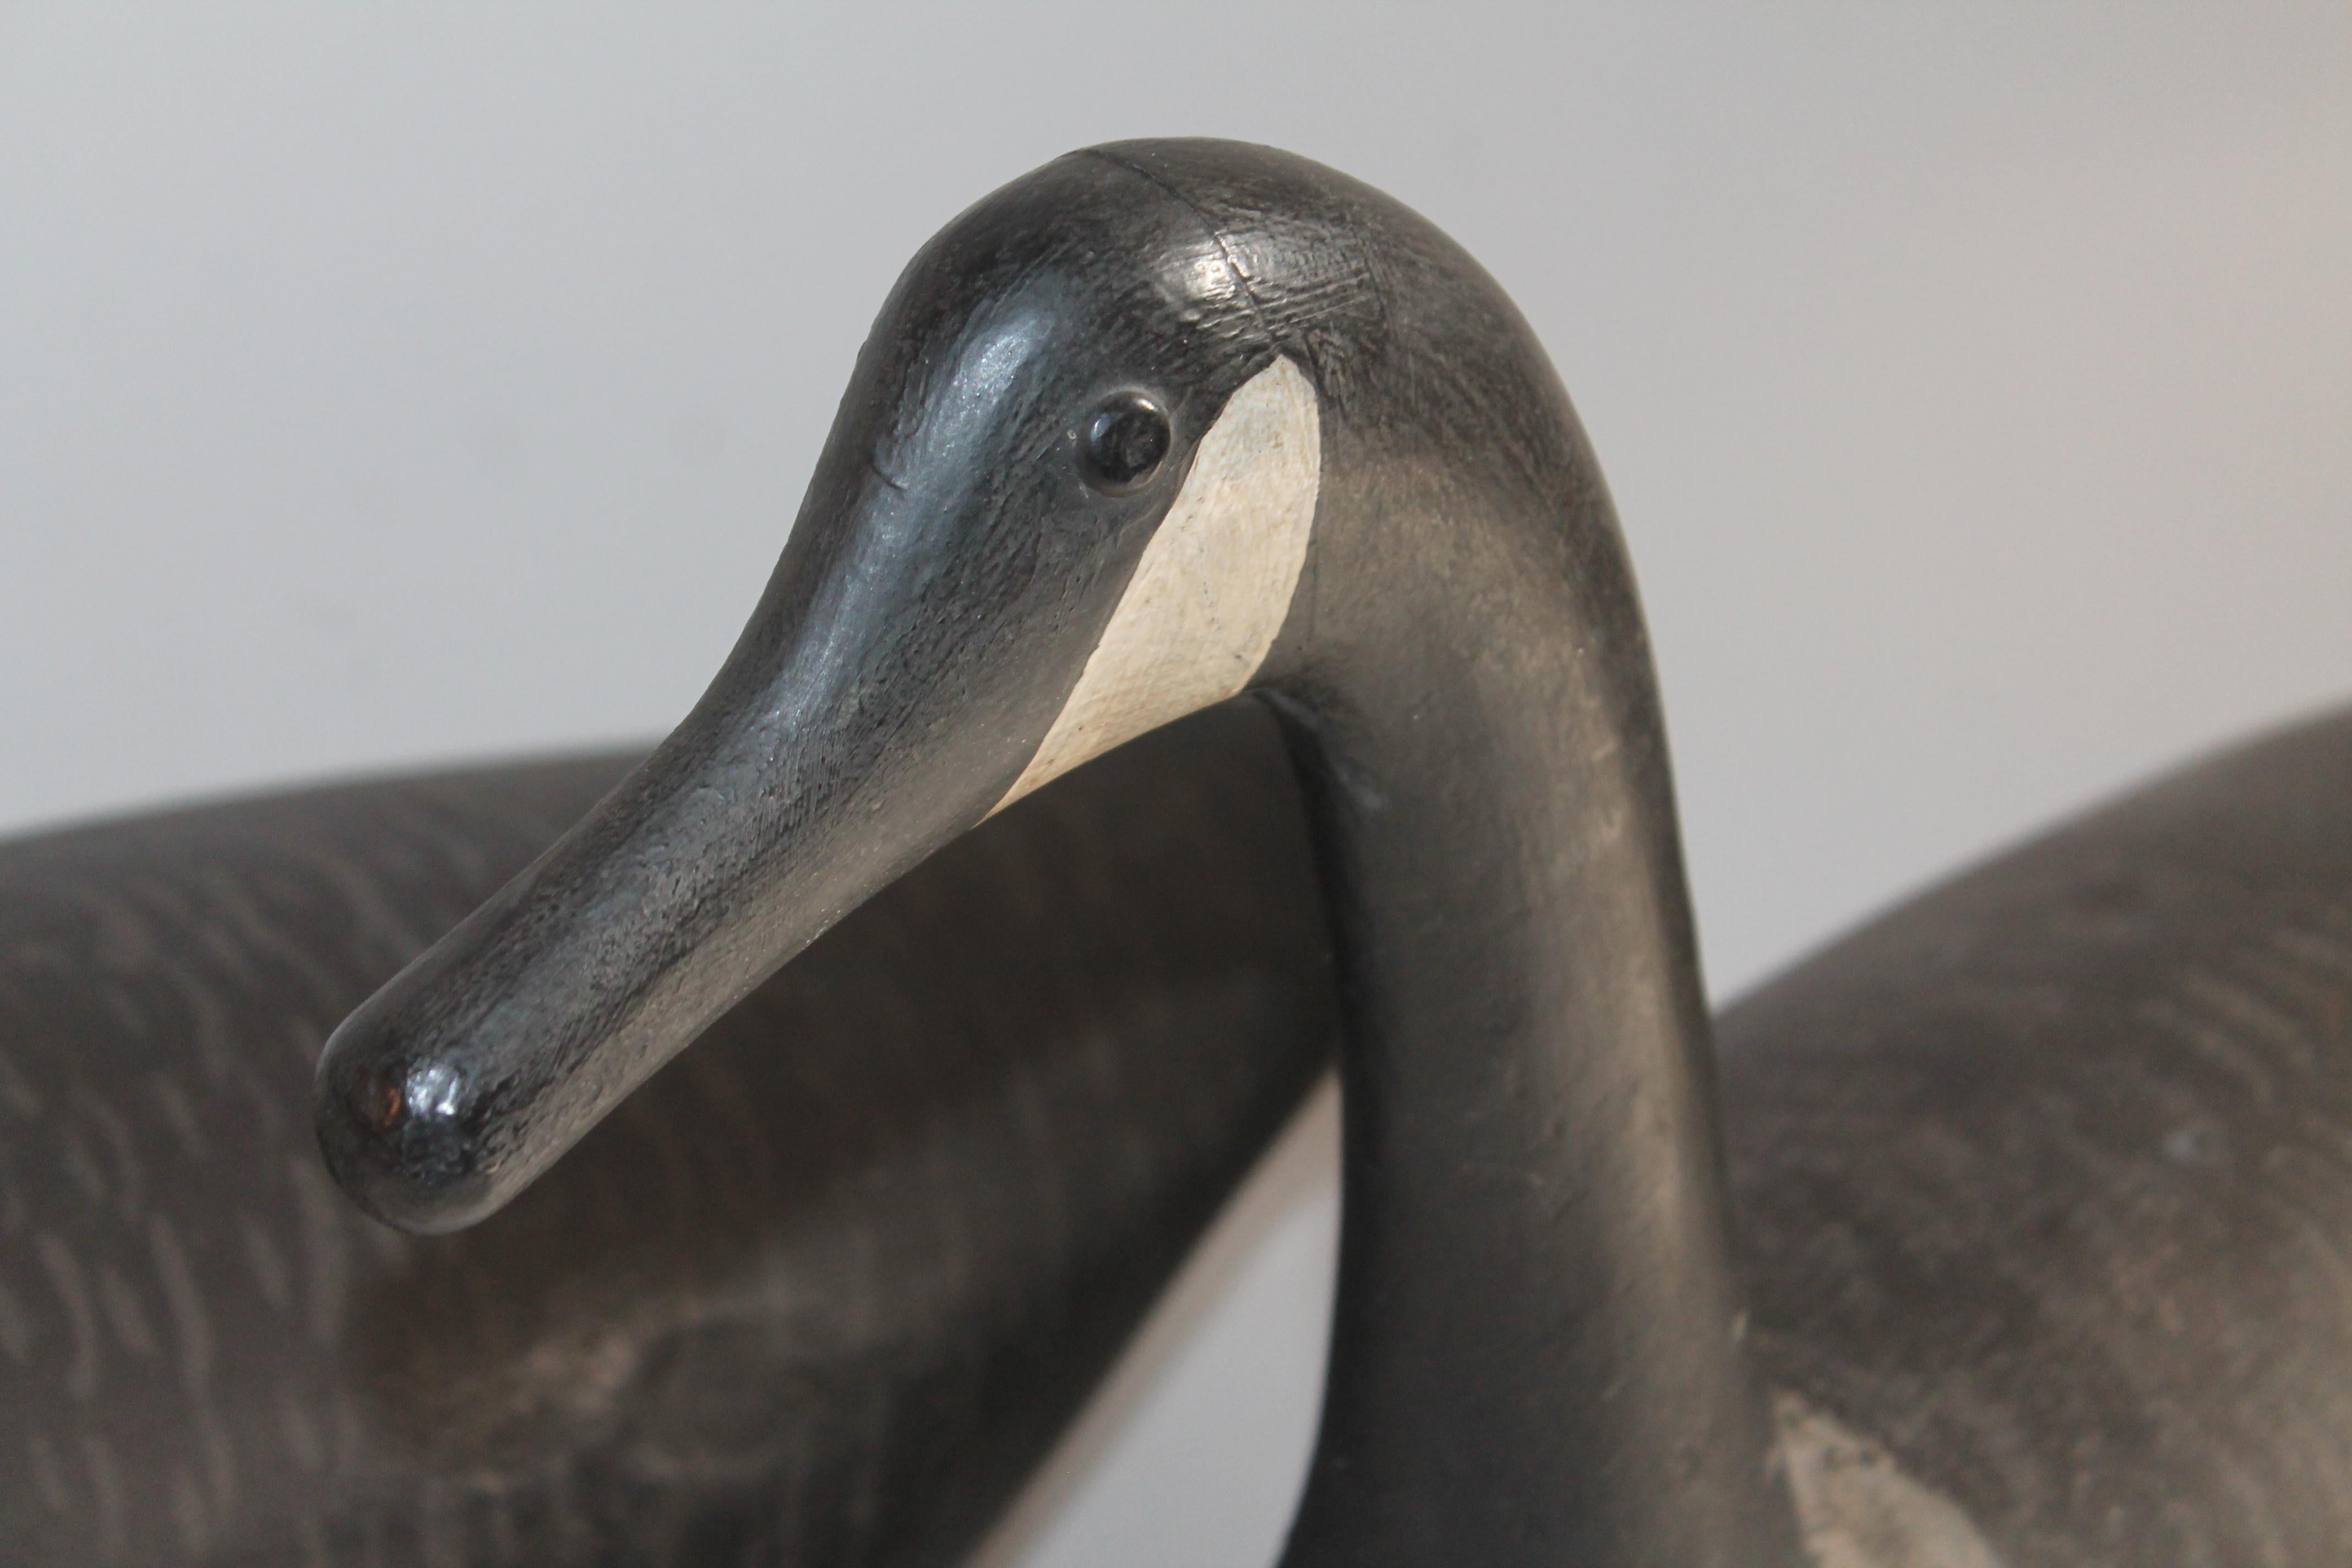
point(1163, 422)
point(2043, 1179)
point(445, 1377)
point(823, 1296)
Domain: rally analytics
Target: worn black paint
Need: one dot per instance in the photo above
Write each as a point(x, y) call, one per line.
point(950, 573)
point(1539, 1351)
point(2039, 1179)
point(821, 1294)
point(1534, 1355)
point(2045, 1179)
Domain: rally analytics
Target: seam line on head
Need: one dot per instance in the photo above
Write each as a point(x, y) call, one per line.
point(1216, 236)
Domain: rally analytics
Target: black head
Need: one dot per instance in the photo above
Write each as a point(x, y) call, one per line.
point(1075, 403)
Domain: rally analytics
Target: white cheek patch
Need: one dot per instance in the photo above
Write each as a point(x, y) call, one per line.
point(1214, 584)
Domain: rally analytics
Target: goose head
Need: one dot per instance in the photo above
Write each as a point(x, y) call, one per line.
point(1156, 424)
point(1066, 499)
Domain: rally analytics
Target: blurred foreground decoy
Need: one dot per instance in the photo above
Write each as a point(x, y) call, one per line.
point(824, 1293)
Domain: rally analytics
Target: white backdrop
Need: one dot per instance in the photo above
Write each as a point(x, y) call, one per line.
point(380, 387)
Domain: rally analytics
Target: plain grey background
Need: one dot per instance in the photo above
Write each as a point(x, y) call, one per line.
point(380, 387)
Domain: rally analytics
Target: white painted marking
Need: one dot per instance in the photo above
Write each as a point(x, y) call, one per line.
point(1857, 1508)
point(1214, 585)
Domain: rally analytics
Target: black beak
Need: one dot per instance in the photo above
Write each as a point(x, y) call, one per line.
point(854, 729)
point(952, 570)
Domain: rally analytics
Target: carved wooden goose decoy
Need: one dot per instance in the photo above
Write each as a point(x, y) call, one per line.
point(2044, 1177)
point(822, 1296)
point(1986, 1153)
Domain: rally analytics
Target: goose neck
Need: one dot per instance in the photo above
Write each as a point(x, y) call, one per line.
point(1535, 1350)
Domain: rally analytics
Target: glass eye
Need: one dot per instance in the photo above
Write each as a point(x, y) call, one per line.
point(1123, 443)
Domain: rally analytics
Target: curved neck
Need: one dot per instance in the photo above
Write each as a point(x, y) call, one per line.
point(1535, 1355)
